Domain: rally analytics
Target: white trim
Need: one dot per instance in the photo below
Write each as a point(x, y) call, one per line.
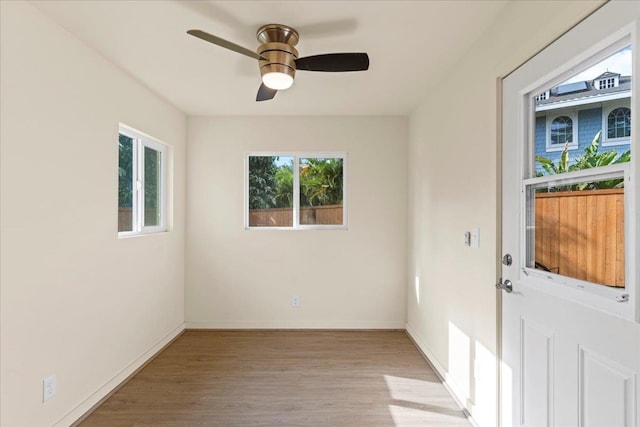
point(455, 391)
point(297, 155)
point(83, 407)
point(294, 324)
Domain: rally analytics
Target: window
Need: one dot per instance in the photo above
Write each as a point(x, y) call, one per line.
point(141, 183)
point(542, 96)
point(286, 190)
point(561, 132)
point(579, 205)
point(606, 83)
point(619, 123)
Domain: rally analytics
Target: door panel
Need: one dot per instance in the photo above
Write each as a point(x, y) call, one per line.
point(607, 391)
point(537, 374)
point(570, 336)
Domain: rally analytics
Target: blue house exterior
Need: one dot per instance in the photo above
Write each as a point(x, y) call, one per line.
point(571, 115)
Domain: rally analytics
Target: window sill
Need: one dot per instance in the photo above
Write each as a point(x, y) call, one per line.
point(551, 148)
point(130, 234)
point(303, 228)
point(617, 141)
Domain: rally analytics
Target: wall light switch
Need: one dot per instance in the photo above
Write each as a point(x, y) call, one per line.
point(467, 238)
point(48, 387)
point(475, 238)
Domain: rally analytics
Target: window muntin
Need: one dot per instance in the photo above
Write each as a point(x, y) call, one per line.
point(312, 197)
point(619, 123)
point(141, 183)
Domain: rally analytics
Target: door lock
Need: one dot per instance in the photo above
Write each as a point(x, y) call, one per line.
point(507, 260)
point(507, 286)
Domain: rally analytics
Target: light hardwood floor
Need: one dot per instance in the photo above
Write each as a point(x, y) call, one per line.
point(283, 378)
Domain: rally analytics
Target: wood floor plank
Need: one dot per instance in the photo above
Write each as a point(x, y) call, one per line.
point(283, 378)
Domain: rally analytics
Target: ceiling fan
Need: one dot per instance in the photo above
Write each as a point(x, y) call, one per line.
point(278, 59)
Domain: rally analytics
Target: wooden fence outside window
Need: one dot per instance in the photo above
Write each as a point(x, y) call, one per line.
point(580, 234)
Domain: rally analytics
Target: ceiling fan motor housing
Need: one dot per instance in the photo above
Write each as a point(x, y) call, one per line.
point(277, 48)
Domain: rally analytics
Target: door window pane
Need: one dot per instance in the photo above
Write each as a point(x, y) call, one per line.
point(576, 229)
point(125, 183)
point(585, 121)
point(321, 191)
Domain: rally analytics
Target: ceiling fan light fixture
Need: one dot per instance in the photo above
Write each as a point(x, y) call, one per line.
point(278, 58)
point(276, 80)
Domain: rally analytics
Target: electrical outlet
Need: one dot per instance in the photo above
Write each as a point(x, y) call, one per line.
point(48, 387)
point(295, 301)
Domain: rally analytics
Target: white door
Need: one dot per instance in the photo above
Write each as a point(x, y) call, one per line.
point(570, 332)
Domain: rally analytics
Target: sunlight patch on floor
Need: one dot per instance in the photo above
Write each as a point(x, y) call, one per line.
point(418, 402)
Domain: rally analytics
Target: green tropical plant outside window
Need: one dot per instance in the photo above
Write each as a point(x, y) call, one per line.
point(591, 158)
point(319, 188)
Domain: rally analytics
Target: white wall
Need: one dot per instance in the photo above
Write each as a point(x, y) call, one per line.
point(452, 189)
point(75, 300)
point(345, 279)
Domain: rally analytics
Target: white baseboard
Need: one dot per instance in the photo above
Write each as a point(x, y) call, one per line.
point(86, 405)
point(451, 387)
point(291, 324)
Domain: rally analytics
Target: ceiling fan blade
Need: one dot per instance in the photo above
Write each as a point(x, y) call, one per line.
point(224, 43)
point(334, 62)
point(265, 93)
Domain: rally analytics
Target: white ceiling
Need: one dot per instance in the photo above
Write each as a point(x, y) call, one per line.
point(411, 44)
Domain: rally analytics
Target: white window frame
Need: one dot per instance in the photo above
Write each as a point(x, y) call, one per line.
point(552, 115)
point(296, 189)
point(606, 109)
point(582, 292)
point(140, 142)
point(595, 295)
